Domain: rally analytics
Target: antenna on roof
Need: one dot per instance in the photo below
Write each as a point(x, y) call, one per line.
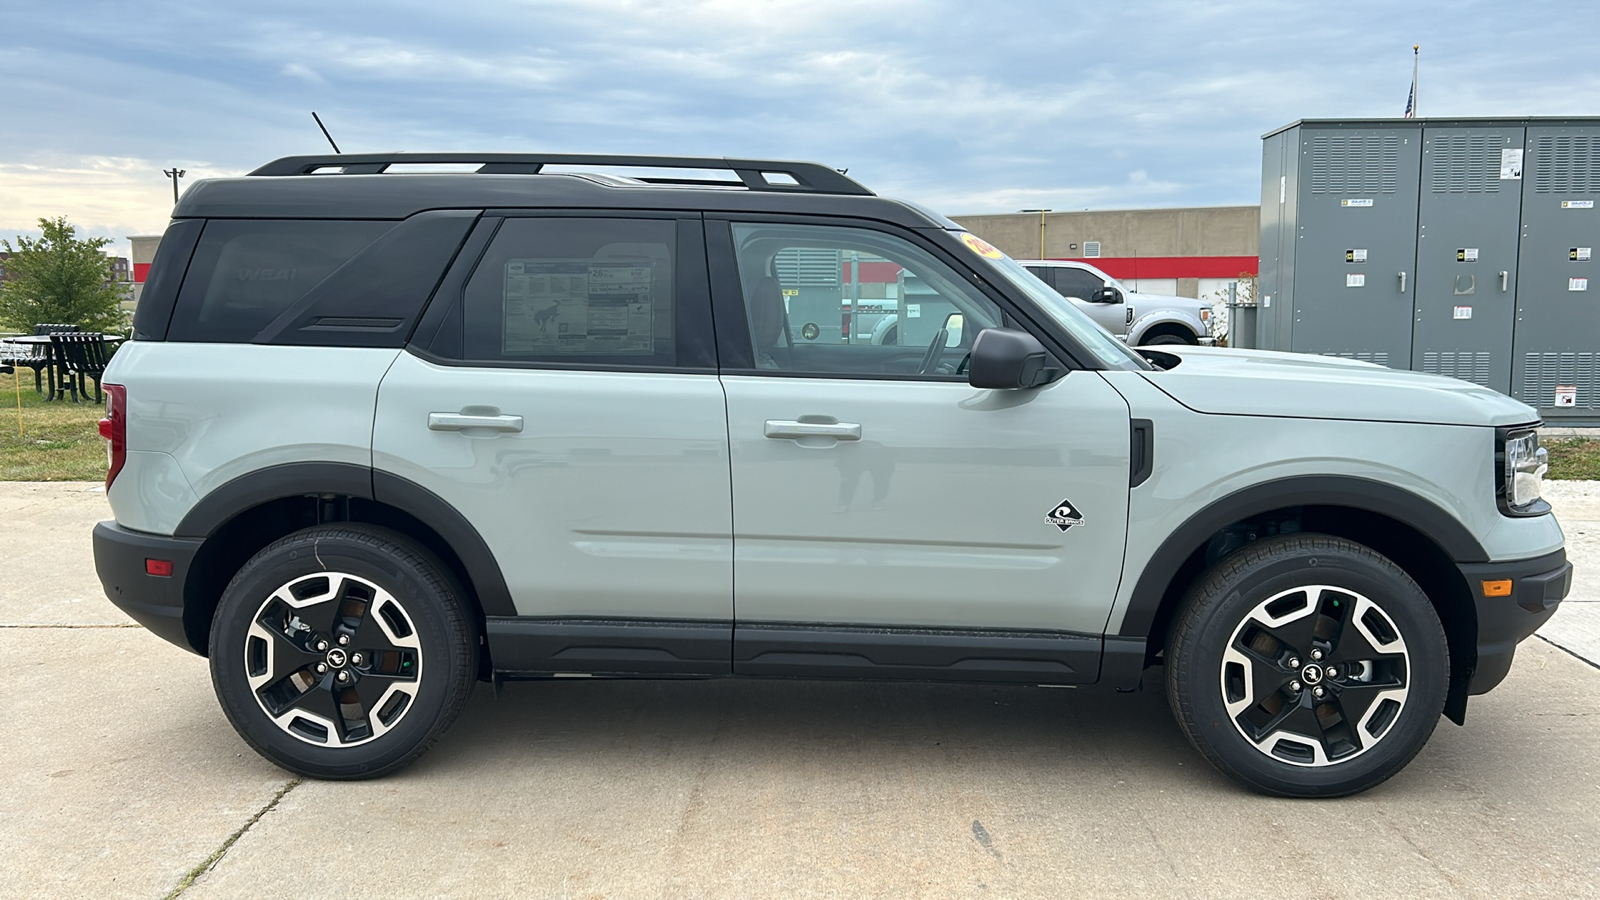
point(325, 131)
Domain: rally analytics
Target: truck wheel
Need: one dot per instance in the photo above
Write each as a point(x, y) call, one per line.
point(1160, 339)
point(1307, 666)
point(342, 651)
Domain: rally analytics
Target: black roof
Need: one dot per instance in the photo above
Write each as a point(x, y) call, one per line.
point(359, 188)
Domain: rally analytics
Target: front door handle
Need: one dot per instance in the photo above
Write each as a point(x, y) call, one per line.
point(445, 421)
point(787, 429)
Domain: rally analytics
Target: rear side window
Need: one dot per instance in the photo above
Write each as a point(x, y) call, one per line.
point(580, 293)
point(245, 273)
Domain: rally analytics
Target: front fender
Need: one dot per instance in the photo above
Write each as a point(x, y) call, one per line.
point(1143, 323)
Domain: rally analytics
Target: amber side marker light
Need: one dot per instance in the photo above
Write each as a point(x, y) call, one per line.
point(1501, 588)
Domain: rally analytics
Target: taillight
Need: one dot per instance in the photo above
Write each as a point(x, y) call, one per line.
point(114, 428)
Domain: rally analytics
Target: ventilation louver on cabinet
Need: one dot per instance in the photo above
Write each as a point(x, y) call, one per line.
point(807, 266)
point(1354, 163)
point(1566, 164)
point(1464, 164)
point(1379, 357)
point(1542, 373)
point(1473, 367)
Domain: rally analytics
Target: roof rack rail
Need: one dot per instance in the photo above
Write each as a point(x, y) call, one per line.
point(810, 178)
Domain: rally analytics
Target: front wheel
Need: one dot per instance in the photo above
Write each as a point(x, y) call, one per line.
point(342, 651)
point(1166, 339)
point(1307, 666)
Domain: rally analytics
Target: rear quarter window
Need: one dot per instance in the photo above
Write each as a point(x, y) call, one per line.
point(245, 273)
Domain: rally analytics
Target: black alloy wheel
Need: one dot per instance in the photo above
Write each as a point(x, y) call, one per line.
point(1307, 666)
point(342, 651)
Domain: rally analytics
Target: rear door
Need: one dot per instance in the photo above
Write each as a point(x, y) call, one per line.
point(561, 395)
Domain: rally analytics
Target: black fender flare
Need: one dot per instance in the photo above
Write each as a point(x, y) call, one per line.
point(1313, 490)
point(349, 480)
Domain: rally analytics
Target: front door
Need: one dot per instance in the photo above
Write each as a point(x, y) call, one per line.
point(569, 409)
point(889, 519)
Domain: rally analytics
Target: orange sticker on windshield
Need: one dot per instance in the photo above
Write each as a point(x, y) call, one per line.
point(981, 247)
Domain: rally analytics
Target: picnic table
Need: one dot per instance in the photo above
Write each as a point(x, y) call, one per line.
point(66, 358)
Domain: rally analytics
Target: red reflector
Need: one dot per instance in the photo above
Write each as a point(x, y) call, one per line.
point(105, 429)
point(161, 568)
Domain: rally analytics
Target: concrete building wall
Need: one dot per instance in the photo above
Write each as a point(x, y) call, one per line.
point(1189, 251)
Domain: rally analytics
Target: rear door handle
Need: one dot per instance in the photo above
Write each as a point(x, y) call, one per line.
point(790, 430)
point(444, 421)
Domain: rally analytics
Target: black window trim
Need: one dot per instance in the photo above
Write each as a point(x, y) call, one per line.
point(690, 282)
point(734, 351)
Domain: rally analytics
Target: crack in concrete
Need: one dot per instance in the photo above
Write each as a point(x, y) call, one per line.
point(1570, 652)
point(211, 861)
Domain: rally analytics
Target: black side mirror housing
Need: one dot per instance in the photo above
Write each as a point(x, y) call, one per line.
point(1106, 295)
point(1005, 359)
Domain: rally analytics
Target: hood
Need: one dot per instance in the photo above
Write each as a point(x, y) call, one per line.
point(1152, 300)
point(1224, 381)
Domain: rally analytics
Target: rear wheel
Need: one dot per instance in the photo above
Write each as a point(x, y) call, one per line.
point(1161, 339)
point(1307, 666)
point(342, 651)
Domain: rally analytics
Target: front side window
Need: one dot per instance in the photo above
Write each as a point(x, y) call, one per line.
point(580, 291)
point(830, 300)
point(1077, 283)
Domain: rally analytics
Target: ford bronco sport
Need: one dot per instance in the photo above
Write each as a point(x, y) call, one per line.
point(379, 435)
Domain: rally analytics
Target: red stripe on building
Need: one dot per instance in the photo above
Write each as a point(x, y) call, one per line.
point(1174, 266)
point(872, 272)
point(140, 272)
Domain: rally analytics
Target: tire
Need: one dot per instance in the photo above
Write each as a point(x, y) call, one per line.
point(1267, 627)
point(402, 677)
point(1169, 339)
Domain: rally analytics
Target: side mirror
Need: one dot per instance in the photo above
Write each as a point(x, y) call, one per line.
point(1005, 359)
point(1106, 295)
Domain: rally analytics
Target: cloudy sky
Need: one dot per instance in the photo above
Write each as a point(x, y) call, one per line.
point(967, 107)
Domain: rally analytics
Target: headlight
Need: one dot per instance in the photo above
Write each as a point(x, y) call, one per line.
point(1522, 464)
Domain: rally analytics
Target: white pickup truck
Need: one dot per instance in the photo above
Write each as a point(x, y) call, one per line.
point(1139, 319)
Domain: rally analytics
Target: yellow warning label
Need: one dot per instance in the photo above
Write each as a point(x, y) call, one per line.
point(790, 292)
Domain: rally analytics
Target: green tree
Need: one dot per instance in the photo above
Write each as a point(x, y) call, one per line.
point(59, 278)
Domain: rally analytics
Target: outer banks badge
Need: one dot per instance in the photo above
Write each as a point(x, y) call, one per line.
point(1065, 515)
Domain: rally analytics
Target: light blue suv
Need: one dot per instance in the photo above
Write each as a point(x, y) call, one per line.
point(379, 436)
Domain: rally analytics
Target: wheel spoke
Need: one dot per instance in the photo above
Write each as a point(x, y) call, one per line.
point(321, 702)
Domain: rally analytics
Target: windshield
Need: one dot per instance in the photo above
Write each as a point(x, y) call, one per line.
point(1111, 352)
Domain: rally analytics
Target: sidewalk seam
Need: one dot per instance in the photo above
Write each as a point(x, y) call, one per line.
point(211, 861)
point(1572, 653)
point(78, 625)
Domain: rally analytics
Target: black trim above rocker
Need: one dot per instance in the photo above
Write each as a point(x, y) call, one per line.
point(526, 647)
point(918, 654)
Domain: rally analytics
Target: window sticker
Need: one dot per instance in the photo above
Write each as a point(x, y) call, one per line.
point(579, 306)
point(981, 247)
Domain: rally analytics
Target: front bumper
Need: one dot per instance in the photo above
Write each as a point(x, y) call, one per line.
point(156, 602)
point(1538, 586)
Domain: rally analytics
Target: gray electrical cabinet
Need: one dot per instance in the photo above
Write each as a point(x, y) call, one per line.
point(1459, 247)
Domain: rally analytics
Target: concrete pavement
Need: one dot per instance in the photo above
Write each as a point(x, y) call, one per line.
point(123, 779)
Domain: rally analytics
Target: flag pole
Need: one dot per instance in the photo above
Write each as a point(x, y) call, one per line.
point(1416, 104)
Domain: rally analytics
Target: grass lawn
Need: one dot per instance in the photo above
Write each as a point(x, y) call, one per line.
point(60, 441)
point(1573, 458)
